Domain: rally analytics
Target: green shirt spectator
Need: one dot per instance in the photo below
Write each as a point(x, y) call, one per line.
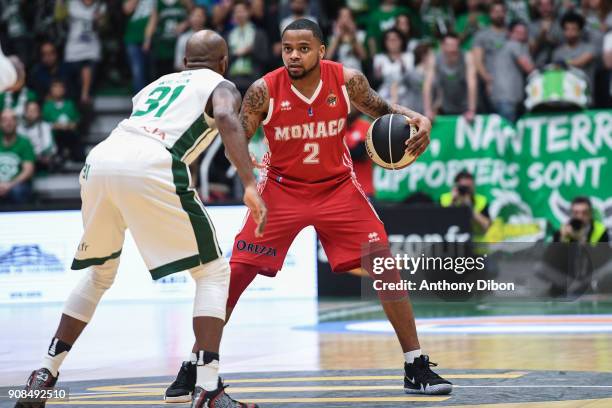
point(16, 161)
point(140, 13)
point(12, 156)
point(468, 24)
point(62, 112)
point(170, 16)
point(382, 19)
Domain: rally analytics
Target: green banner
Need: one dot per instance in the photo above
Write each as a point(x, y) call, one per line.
point(529, 171)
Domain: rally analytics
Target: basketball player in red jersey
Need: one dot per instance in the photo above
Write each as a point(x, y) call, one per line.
point(308, 180)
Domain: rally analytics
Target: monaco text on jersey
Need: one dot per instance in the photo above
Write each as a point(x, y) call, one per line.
point(311, 130)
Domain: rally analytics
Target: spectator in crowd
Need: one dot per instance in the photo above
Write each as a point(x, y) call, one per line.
point(453, 74)
point(464, 194)
point(357, 126)
point(168, 20)
point(381, 20)
point(299, 9)
point(470, 22)
point(221, 14)
point(197, 22)
point(223, 10)
point(581, 226)
point(575, 52)
point(16, 162)
point(269, 21)
point(63, 116)
point(545, 33)
point(518, 10)
point(487, 44)
point(414, 79)
point(19, 41)
point(607, 61)
point(511, 66)
point(438, 18)
point(248, 49)
point(17, 99)
point(39, 134)
point(347, 43)
point(391, 66)
point(138, 13)
point(83, 48)
point(597, 15)
point(50, 68)
point(404, 26)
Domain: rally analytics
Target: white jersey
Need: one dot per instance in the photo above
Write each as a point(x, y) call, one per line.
point(171, 111)
point(8, 73)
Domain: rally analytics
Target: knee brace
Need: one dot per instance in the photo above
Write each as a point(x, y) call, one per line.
point(212, 285)
point(84, 298)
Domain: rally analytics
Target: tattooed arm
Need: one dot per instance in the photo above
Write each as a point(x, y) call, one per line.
point(369, 102)
point(254, 107)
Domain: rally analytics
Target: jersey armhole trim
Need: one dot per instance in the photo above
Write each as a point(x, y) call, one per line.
point(270, 110)
point(347, 99)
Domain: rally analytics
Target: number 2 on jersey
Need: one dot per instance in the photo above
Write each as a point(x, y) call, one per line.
point(313, 153)
point(156, 96)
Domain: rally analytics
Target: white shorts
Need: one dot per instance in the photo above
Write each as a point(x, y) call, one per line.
point(131, 181)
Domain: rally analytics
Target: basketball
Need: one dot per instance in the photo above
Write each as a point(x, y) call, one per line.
point(386, 141)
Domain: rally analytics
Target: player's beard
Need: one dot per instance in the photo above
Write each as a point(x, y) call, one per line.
point(305, 72)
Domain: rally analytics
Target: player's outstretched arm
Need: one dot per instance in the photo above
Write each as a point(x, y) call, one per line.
point(369, 102)
point(225, 105)
point(254, 107)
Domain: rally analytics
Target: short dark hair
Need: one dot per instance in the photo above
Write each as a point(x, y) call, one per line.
point(572, 17)
point(450, 34)
point(582, 200)
point(498, 3)
point(515, 23)
point(306, 24)
point(393, 31)
point(463, 174)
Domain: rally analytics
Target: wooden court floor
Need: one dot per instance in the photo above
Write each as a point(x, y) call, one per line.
point(330, 353)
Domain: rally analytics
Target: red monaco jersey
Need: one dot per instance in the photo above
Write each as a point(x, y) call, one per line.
point(306, 136)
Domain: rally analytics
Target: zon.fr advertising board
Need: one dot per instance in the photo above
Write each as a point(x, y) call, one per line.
point(37, 248)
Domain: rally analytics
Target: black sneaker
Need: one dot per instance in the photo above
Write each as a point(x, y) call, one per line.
point(419, 378)
point(40, 379)
point(182, 388)
point(217, 398)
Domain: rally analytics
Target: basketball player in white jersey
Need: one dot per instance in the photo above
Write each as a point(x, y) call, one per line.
point(12, 73)
point(138, 178)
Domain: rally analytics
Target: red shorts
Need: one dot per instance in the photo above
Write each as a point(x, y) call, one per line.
point(345, 222)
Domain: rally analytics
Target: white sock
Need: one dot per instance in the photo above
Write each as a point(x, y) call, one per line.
point(58, 350)
point(411, 355)
point(208, 375)
point(193, 358)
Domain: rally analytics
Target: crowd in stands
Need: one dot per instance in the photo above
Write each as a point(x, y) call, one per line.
point(456, 57)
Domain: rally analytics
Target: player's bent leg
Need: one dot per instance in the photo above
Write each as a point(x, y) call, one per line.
point(212, 286)
point(185, 383)
point(212, 280)
point(242, 276)
point(78, 311)
point(418, 378)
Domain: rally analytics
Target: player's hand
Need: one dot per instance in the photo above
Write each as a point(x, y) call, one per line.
point(419, 142)
point(259, 212)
